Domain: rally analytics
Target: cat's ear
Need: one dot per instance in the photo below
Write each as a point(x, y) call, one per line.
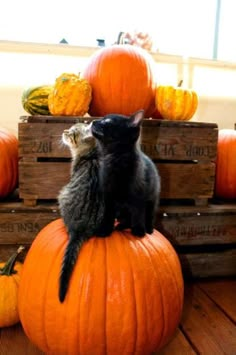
point(136, 118)
point(87, 134)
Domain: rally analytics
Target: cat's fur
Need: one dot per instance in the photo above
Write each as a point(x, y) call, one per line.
point(80, 202)
point(129, 179)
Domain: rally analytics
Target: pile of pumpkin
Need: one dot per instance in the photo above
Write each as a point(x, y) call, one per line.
point(117, 79)
point(126, 294)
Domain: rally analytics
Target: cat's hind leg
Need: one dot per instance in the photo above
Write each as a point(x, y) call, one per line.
point(138, 220)
point(123, 219)
point(150, 216)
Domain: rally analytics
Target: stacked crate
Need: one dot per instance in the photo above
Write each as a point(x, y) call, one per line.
point(203, 234)
point(184, 153)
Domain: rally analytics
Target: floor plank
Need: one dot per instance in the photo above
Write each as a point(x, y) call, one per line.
point(177, 346)
point(13, 341)
point(205, 325)
point(223, 292)
point(22, 346)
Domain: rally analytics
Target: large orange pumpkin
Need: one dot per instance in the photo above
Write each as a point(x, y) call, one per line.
point(8, 162)
point(225, 186)
point(125, 295)
point(122, 81)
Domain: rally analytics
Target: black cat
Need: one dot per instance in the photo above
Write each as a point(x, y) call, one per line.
point(80, 201)
point(129, 179)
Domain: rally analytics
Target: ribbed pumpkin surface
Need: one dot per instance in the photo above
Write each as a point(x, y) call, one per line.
point(35, 100)
point(175, 103)
point(71, 96)
point(225, 186)
point(122, 81)
point(8, 162)
point(125, 295)
point(9, 296)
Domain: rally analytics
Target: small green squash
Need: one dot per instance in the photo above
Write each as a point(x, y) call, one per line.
point(35, 100)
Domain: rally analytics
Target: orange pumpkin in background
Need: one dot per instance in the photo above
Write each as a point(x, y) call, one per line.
point(156, 114)
point(8, 162)
point(225, 186)
point(122, 81)
point(176, 103)
point(125, 295)
point(9, 284)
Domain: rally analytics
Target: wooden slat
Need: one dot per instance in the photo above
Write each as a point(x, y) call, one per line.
point(42, 180)
point(187, 180)
point(182, 225)
point(223, 292)
point(166, 140)
point(147, 121)
point(191, 225)
point(207, 328)
point(213, 264)
point(42, 140)
point(179, 345)
point(21, 227)
point(14, 342)
point(179, 142)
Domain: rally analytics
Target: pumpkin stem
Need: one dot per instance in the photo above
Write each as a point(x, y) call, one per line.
point(8, 268)
point(120, 39)
point(180, 83)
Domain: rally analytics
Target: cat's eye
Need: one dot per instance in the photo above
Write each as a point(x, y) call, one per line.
point(106, 120)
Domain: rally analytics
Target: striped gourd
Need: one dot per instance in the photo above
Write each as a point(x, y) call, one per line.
point(35, 100)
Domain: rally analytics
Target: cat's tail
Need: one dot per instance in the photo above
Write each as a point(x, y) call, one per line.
point(69, 260)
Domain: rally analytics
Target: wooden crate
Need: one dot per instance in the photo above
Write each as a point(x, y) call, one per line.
point(184, 153)
point(204, 237)
point(19, 224)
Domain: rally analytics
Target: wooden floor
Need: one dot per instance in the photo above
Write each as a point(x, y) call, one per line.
point(207, 326)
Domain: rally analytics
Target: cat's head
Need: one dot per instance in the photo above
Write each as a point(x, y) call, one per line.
point(79, 138)
point(115, 128)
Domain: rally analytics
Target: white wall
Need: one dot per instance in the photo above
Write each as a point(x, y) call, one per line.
point(24, 65)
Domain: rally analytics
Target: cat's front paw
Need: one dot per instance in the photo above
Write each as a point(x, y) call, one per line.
point(138, 231)
point(104, 232)
point(121, 226)
point(149, 230)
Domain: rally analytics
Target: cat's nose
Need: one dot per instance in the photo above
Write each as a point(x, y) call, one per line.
point(66, 131)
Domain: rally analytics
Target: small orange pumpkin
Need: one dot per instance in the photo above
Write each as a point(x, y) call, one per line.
point(225, 186)
point(176, 103)
point(71, 96)
point(9, 284)
point(125, 295)
point(122, 80)
point(8, 162)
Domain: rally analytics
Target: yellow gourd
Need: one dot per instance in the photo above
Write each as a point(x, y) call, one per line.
point(70, 96)
point(176, 103)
